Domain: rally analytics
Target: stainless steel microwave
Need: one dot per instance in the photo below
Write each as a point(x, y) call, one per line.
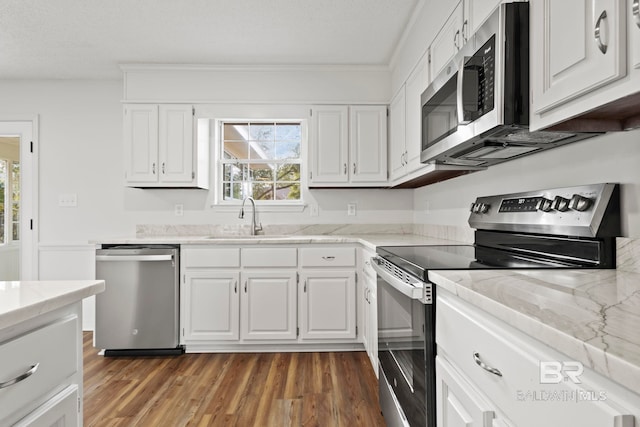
point(476, 111)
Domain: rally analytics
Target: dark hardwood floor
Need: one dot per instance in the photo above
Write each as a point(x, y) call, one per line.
point(242, 389)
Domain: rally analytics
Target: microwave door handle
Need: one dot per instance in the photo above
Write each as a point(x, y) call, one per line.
point(459, 94)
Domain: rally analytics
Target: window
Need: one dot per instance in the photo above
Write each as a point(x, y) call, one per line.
point(261, 160)
point(9, 201)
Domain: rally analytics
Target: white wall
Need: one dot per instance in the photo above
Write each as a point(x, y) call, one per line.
point(609, 158)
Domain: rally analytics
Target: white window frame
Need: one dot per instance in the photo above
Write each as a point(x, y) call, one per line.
point(8, 209)
point(265, 205)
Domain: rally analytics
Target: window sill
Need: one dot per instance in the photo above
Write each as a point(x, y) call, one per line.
point(289, 208)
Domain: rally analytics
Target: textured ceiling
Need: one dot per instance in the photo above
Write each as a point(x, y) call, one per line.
point(89, 38)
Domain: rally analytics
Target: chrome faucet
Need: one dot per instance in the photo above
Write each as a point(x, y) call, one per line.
point(254, 228)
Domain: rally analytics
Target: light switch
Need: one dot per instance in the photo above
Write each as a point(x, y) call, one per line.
point(68, 200)
point(351, 209)
point(178, 210)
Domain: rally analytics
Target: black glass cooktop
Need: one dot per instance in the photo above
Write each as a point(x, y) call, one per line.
point(417, 260)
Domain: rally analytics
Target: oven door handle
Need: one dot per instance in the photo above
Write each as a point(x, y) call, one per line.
point(413, 290)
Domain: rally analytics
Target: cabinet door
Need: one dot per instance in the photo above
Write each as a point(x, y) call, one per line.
point(447, 42)
point(328, 305)
point(211, 305)
point(397, 126)
point(568, 58)
point(269, 305)
point(457, 402)
point(368, 143)
point(176, 144)
point(475, 13)
point(371, 321)
point(329, 144)
point(416, 84)
point(141, 143)
point(59, 411)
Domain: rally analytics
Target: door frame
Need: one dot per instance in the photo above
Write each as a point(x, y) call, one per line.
point(27, 127)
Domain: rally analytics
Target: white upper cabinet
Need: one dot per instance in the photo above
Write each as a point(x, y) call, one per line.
point(348, 146)
point(160, 147)
point(448, 41)
point(578, 46)
point(456, 32)
point(585, 64)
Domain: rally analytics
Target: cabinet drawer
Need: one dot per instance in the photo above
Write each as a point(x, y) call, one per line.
point(468, 337)
point(269, 257)
point(53, 349)
point(210, 257)
point(328, 257)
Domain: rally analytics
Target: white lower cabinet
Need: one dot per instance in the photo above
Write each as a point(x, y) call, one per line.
point(259, 295)
point(213, 311)
point(268, 305)
point(59, 411)
point(490, 374)
point(41, 370)
point(369, 308)
point(327, 304)
point(459, 404)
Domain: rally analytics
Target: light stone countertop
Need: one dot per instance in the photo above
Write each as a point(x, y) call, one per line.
point(24, 300)
point(370, 241)
point(592, 316)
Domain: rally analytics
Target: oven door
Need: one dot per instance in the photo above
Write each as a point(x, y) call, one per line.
point(406, 351)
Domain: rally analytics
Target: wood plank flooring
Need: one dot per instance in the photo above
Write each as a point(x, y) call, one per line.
point(243, 389)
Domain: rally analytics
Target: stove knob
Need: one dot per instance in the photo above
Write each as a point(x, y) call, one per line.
point(484, 208)
point(560, 204)
point(544, 205)
point(579, 203)
point(473, 208)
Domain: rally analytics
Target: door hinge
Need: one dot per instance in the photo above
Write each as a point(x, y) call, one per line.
point(356, 277)
point(297, 331)
point(31, 146)
point(310, 174)
point(356, 331)
point(193, 111)
point(297, 277)
point(193, 175)
point(79, 403)
point(30, 224)
point(311, 112)
point(429, 57)
point(184, 278)
point(183, 332)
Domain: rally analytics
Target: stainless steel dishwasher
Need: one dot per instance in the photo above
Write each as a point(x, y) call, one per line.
point(138, 312)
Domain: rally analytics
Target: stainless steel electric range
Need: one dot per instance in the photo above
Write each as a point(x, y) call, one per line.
point(560, 228)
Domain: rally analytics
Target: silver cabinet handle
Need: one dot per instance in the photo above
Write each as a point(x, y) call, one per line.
point(635, 9)
point(354, 168)
point(32, 370)
point(133, 258)
point(328, 258)
point(596, 33)
point(479, 362)
point(245, 286)
point(456, 42)
point(153, 168)
point(465, 27)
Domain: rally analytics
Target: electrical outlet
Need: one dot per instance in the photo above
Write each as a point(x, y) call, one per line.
point(178, 210)
point(68, 200)
point(351, 209)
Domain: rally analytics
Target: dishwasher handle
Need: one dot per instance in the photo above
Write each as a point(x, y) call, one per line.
point(108, 258)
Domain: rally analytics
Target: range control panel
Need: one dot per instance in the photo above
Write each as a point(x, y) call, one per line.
point(573, 211)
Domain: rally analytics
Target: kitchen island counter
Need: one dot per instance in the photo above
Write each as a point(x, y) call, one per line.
point(592, 316)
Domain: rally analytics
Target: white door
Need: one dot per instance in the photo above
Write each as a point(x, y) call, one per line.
point(577, 46)
point(19, 258)
point(328, 305)
point(368, 143)
point(269, 305)
point(212, 305)
point(141, 143)
point(397, 129)
point(329, 144)
point(176, 144)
